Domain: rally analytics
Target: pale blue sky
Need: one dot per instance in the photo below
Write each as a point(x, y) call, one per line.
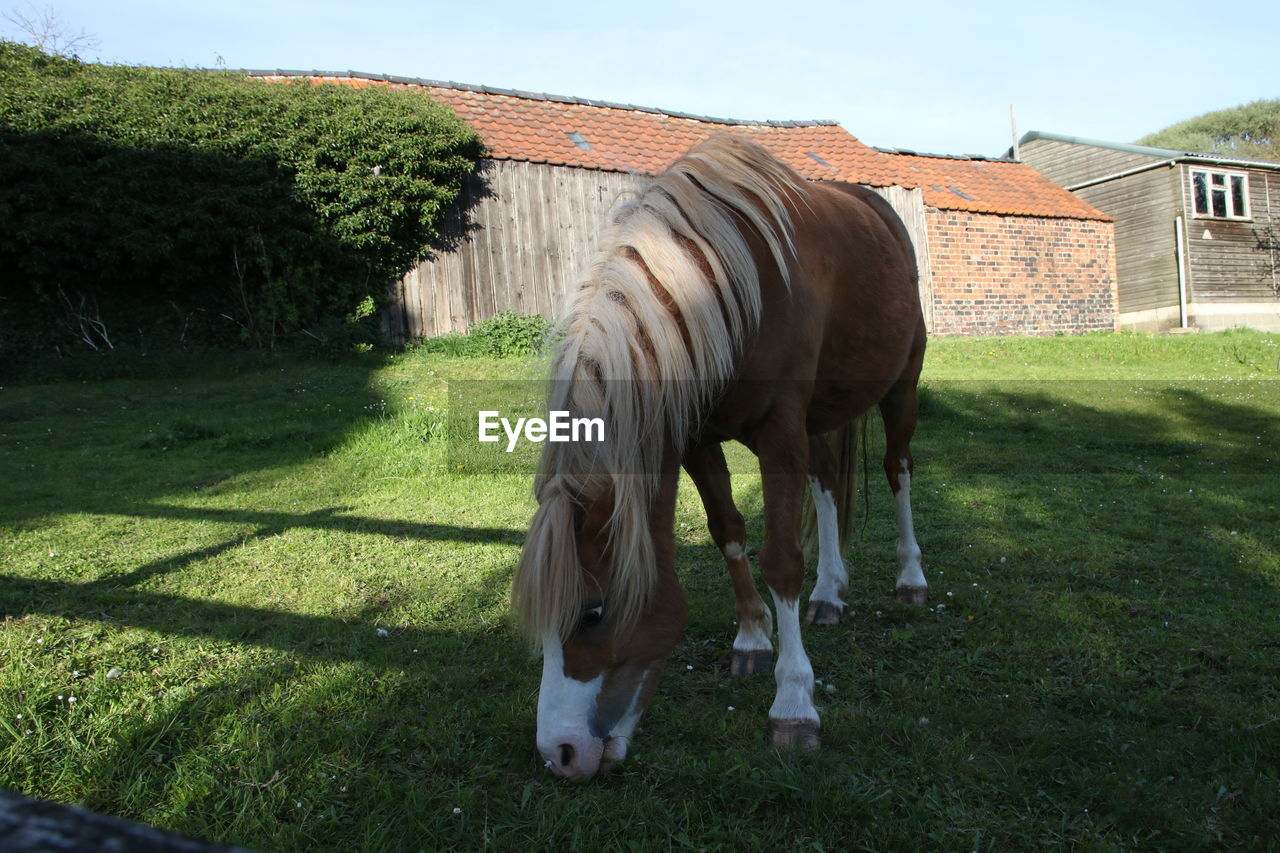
point(926, 75)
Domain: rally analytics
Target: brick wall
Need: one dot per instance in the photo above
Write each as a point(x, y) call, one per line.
point(999, 275)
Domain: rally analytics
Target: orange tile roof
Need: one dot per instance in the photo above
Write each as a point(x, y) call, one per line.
point(566, 131)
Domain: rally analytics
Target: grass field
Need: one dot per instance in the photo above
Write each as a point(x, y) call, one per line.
point(255, 604)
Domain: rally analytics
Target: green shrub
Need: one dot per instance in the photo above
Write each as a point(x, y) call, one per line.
point(182, 207)
point(509, 334)
point(504, 335)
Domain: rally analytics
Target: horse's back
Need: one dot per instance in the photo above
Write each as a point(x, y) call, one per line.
point(861, 269)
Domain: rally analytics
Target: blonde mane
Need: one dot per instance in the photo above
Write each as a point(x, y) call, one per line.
point(648, 341)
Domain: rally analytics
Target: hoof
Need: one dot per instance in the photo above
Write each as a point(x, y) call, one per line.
point(751, 663)
point(913, 595)
point(795, 734)
point(823, 613)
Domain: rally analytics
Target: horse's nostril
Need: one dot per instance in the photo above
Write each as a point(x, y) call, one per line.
point(566, 755)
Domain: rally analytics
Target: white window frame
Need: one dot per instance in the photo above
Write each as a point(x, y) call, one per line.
point(1226, 189)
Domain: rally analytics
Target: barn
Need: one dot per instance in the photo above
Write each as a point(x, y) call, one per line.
point(1002, 250)
point(1195, 232)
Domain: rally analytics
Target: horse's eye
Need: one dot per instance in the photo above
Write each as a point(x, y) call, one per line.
point(591, 616)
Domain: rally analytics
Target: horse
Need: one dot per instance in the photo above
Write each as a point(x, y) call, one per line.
point(732, 300)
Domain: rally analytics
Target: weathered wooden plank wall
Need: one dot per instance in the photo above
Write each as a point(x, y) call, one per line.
point(909, 205)
point(523, 237)
point(1144, 206)
point(1226, 261)
point(520, 238)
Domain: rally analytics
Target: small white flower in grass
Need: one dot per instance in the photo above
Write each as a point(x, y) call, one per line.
point(71, 700)
point(831, 688)
point(689, 667)
point(949, 594)
point(731, 708)
point(113, 674)
point(457, 810)
point(924, 721)
point(19, 716)
point(381, 632)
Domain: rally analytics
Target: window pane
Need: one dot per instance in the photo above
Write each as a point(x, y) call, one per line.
point(1200, 191)
point(1219, 202)
point(1219, 179)
point(1237, 195)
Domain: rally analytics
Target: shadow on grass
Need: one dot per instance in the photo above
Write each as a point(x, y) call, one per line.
point(1101, 672)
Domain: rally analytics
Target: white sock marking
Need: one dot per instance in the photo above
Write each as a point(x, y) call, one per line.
point(793, 672)
point(833, 580)
point(910, 571)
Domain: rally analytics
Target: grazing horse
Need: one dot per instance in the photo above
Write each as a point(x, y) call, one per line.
point(732, 300)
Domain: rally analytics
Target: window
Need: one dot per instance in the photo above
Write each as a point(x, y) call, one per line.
point(1221, 195)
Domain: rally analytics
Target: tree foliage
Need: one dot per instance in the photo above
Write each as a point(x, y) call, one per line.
point(1250, 130)
point(192, 206)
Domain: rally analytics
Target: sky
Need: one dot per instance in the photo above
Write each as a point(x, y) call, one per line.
point(925, 75)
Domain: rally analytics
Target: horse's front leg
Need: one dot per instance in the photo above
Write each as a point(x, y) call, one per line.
point(783, 449)
point(752, 647)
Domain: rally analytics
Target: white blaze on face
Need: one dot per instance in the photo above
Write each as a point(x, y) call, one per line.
point(566, 707)
point(910, 571)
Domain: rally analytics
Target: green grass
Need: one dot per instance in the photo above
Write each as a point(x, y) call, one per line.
point(284, 619)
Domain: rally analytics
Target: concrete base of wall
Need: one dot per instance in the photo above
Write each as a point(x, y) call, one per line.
point(1212, 317)
point(1151, 320)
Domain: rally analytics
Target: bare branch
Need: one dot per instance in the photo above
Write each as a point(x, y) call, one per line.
point(42, 27)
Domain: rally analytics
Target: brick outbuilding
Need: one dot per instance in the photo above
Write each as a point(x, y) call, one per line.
point(1002, 249)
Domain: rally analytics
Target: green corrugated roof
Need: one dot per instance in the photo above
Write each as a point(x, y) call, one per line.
point(1158, 153)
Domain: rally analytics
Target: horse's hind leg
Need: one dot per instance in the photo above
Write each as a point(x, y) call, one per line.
point(752, 648)
point(826, 603)
point(898, 409)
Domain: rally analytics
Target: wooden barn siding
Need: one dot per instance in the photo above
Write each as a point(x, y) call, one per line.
point(909, 205)
point(1144, 206)
point(523, 237)
point(520, 239)
point(1068, 164)
point(1225, 262)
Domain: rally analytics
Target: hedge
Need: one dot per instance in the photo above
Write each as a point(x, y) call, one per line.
point(165, 207)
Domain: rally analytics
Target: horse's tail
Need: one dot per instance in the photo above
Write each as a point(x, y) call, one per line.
point(848, 444)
